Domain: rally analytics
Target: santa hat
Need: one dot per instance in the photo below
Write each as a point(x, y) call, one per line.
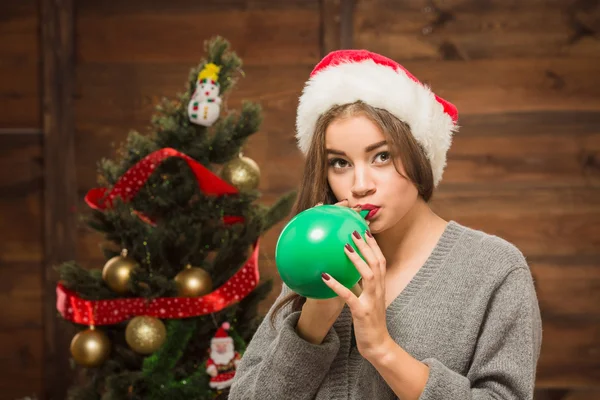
point(221, 336)
point(347, 76)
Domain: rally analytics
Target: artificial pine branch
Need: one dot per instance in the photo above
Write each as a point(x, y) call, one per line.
point(279, 210)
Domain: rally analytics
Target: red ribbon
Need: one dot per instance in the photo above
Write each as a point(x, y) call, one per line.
point(132, 181)
point(107, 312)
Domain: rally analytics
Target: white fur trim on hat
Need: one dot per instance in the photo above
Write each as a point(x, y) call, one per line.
point(383, 87)
point(222, 340)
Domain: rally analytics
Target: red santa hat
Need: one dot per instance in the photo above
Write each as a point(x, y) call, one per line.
point(347, 76)
point(221, 336)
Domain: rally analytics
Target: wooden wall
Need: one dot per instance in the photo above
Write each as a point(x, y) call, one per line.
point(21, 211)
point(75, 77)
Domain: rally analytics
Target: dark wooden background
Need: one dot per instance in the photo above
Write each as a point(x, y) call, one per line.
point(525, 75)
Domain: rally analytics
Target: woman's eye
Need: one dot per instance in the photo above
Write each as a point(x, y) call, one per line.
point(338, 163)
point(382, 157)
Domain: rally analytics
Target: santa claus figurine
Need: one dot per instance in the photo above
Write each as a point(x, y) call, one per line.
point(223, 359)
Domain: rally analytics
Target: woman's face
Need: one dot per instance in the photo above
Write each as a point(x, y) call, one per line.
point(360, 168)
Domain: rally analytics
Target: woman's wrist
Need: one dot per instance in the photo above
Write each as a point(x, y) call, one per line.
point(312, 326)
point(384, 354)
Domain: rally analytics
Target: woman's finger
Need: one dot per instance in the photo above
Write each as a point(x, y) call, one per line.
point(342, 291)
point(376, 252)
point(368, 276)
point(343, 203)
point(368, 254)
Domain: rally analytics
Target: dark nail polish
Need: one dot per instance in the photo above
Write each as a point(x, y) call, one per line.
point(356, 234)
point(369, 234)
point(325, 276)
point(349, 248)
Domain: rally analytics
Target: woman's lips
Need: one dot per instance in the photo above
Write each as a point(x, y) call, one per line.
point(372, 213)
point(372, 210)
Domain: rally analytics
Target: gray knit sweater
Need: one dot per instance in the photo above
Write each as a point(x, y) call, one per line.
point(470, 313)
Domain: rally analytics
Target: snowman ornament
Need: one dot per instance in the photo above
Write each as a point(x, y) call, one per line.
point(205, 105)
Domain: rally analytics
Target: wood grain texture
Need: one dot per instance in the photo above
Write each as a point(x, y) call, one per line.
point(567, 394)
point(331, 21)
point(472, 30)
point(527, 150)
point(21, 172)
point(261, 36)
point(21, 257)
point(19, 69)
point(508, 85)
point(57, 20)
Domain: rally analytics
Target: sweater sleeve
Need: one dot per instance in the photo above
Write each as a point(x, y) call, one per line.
point(508, 347)
point(278, 364)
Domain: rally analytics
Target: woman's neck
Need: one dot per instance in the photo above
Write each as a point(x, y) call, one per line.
point(413, 238)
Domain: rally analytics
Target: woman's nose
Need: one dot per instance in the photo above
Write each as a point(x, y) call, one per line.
point(363, 183)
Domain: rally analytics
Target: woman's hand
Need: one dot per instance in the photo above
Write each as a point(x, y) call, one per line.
point(368, 309)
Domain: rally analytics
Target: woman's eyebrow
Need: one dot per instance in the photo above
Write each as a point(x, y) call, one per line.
point(368, 149)
point(373, 146)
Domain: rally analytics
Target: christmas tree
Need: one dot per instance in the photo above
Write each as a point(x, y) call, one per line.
point(170, 313)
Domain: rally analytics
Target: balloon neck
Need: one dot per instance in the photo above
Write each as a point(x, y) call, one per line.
point(364, 213)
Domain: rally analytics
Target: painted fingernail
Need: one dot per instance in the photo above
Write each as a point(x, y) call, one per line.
point(369, 234)
point(356, 234)
point(349, 248)
point(325, 276)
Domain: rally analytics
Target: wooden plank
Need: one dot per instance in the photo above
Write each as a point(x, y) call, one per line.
point(459, 30)
point(21, 287)
point(568, 358)
point(559, 235)
point(524, 85)
point(347, 24)
point(541, 222)
point(517, 161)
point(567, 394)
point(508, 201)
point(57, 37)
point(19, 69)
point(143, 6)
point(21, 360)
point(283, 36)
point(568, 287)
point(21, 197)
point(526, 149)
point(21, 330)
point(568, 290)
point(331, 20)
point(531, 123)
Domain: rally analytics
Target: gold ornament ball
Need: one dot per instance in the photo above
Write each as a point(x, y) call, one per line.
point(117, 272)
point(145, 334)
point(90, 348)
point(193, 282)
point(242, 172)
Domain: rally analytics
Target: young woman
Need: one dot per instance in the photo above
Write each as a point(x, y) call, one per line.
point(446, 312)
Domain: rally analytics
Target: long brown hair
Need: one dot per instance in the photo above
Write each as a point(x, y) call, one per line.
point(314, 187)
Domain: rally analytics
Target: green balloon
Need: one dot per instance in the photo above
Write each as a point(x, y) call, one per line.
point(313, 243)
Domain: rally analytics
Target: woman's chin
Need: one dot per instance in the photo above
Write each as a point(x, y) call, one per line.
point(376, 227)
